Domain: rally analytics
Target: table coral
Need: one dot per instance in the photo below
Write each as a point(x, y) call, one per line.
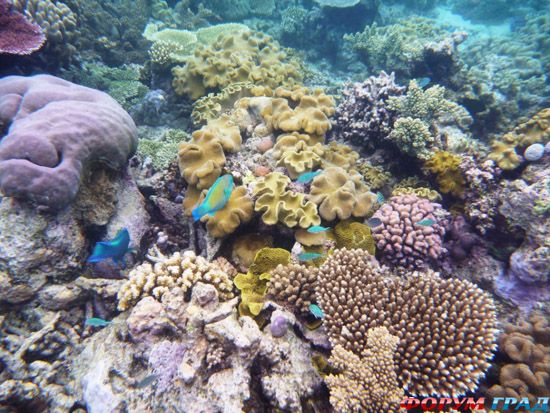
point(527, 345)
point(340, 195)
point(446, 328)
point(400, 239)
point(278, 204)
point(42, 157)
point(235, 57)
point(366, 383)
point(181, 270)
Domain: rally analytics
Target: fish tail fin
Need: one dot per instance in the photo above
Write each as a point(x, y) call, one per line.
point(198, 213)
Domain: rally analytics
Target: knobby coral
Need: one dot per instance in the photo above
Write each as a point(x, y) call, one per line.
point(293, 285)
point(446, 328)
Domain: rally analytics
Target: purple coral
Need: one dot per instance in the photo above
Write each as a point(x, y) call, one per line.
point(461, 238)
point(412, 230)
point(57, 131)
point(17, 34)
point(165, 358)
point(362, 115)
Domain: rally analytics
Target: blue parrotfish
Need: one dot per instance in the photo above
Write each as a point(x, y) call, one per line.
point(380, 198)
point(423, 81)
point(316, 311)
point(96, 322)
point(309, 256)
point(428, 222)
point(308, 176)
point(115, 249)
point(216, 197)
point(316, 229)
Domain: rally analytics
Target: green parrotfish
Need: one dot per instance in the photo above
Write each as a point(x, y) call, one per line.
point(309, 256)
point(428, 222)
point(216, 198)
point(308, 176)
point(316, 311)
point(96, 322)
point(316, 229)
point(115, 249)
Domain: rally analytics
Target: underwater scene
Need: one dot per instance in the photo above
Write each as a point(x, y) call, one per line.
point(274, 206)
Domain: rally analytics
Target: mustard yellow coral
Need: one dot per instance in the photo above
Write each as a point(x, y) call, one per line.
point(337, 154)
point(354, 235)
point(535, 130)
point(504, 152)
point(297, 153)
point(340, 194)
point(448, 174)
point(201, 163)
point(279, 205)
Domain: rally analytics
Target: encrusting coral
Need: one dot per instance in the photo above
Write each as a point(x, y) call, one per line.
point(340, 195)
point(181, 270)
point(403, 239)
point(354, 235)
point(366, 383)
point(279, 205)
point(528, 347)
point(446, 328)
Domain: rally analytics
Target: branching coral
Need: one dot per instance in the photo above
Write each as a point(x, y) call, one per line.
point(341, 195)
point(366, 383)
point(446, 328)
point(402, 238)
point(293, 285)
point(412, 136)
point(235, 57)
point(278, 204)
point(181, 270)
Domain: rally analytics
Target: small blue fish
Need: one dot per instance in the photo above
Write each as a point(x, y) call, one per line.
point(428, 222)
point(309, 256)
point(316, 311)
point(308, 176)
point(380, 198)
point(96, 322)
point(115, 249)
point(374, 222)
point(316, 229)
point(423, 81)
point(148, 380)
point(216, 197)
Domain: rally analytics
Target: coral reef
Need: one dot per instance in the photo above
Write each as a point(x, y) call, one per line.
point(449, 175)
point(400, 238)
point(446, 328)
point(46, 167)
point(293, 285)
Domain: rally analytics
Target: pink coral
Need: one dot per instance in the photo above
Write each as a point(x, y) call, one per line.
point(17, 34)
point(407, 237)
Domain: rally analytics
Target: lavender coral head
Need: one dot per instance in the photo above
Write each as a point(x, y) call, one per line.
point(403, 239)
point(18, 35)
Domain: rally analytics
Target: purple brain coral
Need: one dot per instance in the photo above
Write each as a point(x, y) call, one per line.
point(54, 132)
point(412, 230)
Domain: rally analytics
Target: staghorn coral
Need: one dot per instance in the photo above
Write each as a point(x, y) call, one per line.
point(446, 328)
point(297, 153)
point(234, 57)
point(354, 235)
point(181, 270)
point(366, 383)
point(340, 194)
point(279, 205)
point(413, 137)
point(293, 285)
point(401, 241)
point(446, 166)
point(362, 115)
point(528, 346)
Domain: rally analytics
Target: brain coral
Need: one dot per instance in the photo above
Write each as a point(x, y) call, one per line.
point(446, 328)
point(181, 270)
point(400, 238)
point(278, 204)
point(43, 155)
point(235, 57)
point(340, 194)
point(367, 383)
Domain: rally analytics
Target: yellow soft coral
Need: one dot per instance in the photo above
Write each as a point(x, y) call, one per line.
point(224, 130)
point(535, 130)
point(421, 192)
point(340, 194)
point(337, 154)
point(297, 153)
point(279, 205)
point(504, 152)
point(448, 174)
point(201, 162)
